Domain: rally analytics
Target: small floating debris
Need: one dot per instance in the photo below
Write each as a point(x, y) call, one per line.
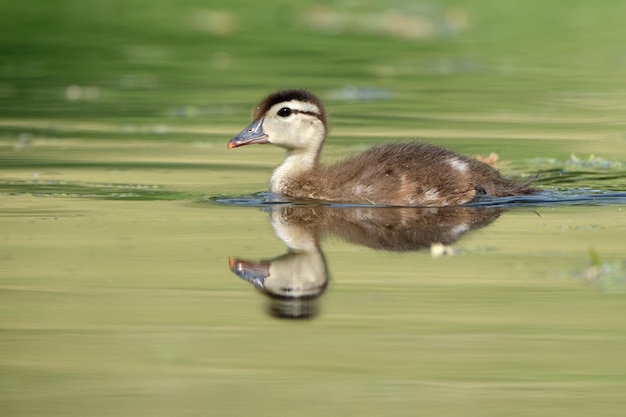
point(608, 276)
point(24, 140)
point(491, 159)
point(86, 93)
point(403, 19)
point(439, 249)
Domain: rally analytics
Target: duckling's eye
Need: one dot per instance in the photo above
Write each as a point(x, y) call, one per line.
point(284, 112)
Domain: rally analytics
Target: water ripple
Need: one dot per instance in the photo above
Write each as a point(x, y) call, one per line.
point(547, 198)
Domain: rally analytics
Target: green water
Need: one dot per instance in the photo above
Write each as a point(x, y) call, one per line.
point(116, 294)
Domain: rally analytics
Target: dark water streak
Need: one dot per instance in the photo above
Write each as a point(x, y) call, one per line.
point(547, 198)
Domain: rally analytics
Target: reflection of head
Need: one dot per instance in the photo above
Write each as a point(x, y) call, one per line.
point(292, 281)
point(290, 276)
point(297, 275)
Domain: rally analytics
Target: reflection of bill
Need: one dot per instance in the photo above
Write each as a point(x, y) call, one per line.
point(294, 280)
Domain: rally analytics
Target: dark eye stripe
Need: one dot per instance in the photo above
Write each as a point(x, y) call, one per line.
point(286, 112)
point(310, 113)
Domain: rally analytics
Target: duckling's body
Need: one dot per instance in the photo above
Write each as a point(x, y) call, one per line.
point(398, 174)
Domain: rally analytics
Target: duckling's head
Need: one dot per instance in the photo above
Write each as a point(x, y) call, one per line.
point(292, 119)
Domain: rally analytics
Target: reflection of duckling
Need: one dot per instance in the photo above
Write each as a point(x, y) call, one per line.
point(398, 174)
point(294, 280)
point(387, 228)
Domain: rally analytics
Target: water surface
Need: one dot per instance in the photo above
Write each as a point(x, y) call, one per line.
point(133, 302)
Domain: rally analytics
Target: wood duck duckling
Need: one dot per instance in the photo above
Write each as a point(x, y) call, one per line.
point(393, 174)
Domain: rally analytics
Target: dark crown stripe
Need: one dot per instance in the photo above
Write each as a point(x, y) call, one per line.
point(289, 95)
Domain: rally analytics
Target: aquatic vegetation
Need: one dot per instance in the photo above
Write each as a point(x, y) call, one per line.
point(606, 275)
point(595, 162)
point(72, 189)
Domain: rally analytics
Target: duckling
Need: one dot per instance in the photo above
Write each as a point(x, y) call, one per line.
point(391, 174)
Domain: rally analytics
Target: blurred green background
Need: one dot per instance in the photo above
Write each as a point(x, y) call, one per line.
point(206, 61)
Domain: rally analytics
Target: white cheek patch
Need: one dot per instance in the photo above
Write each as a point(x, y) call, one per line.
point(459, 165)
point(304, 107)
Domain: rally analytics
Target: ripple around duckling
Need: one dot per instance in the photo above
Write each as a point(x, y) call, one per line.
point(547, 198)
point(570, 197)
point(69, 189)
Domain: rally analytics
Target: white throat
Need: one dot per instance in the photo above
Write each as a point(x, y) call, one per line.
point(297, 162)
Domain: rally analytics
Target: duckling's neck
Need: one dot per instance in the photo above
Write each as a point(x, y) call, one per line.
point(300, 238)
point(297, 163)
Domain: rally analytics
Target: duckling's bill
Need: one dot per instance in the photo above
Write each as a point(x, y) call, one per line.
point(250, 135)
